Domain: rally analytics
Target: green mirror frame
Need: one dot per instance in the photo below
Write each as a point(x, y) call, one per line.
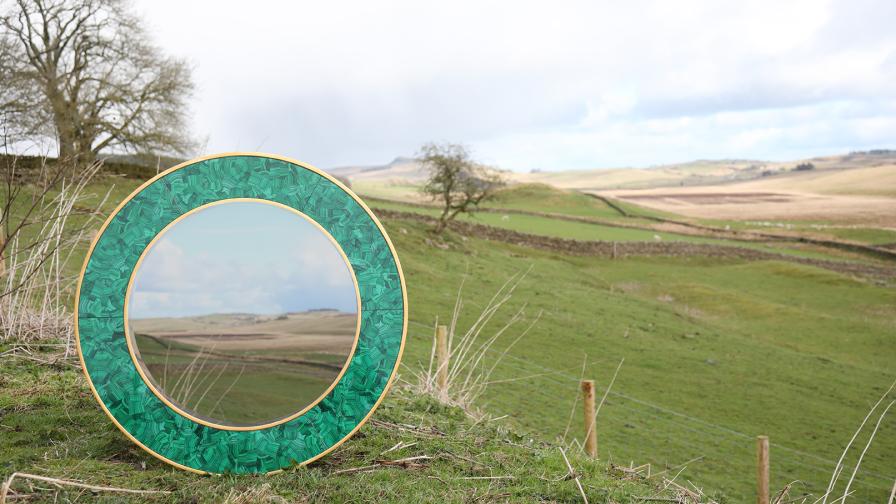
point(168, 433)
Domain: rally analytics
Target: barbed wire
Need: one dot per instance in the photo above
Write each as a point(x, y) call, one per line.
point(554, 375)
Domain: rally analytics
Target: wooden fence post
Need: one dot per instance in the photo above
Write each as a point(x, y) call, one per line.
point(590, 427)
point(442, 355)
point(762, 470)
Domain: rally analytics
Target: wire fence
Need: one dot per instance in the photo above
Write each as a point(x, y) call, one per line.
point(708, 432)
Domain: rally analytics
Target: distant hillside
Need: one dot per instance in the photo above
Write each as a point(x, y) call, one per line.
point(308, 322)
point(854, 189)
point(401, 169)
point(703, 172)
point(407, 171)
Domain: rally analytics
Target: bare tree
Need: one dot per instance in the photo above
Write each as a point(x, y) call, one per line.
point(457, 182)
point(22, 113)
point(89, 67)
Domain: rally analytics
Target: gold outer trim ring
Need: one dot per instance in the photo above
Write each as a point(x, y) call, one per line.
point(379, 225)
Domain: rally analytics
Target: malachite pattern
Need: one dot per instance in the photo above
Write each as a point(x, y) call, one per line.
point(175, 437)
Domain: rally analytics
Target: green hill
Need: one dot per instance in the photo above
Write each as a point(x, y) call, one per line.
point(717, 350)
point(52, 427)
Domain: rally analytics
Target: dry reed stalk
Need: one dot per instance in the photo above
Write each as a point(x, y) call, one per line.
point(835, 476)
point(784, 493)
point(34, 289)
point(575, 402)
point(865, 450)
point(469, 365)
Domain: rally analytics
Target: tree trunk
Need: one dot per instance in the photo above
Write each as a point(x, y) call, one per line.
point(441, 225)
point(65, 135)
point(443, 220)
point(2, 254)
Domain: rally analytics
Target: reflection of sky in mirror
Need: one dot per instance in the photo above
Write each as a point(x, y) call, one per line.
point(241, 257)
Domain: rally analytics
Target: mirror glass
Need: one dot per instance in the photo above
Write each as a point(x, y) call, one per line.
point(243, 313)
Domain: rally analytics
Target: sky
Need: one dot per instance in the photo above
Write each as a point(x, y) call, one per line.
point(537, 85)
point(241, 257)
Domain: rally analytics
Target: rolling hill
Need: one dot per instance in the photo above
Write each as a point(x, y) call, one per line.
point(400, 169)
point(856, 189)
point(717, 349)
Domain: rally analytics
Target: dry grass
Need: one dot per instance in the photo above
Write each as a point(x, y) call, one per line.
point(34, 290)
point(835, 477)
point(472, 358)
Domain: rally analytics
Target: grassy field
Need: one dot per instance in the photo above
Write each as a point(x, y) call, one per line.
point(716, 352)
point(547, 199)
point(52, 426)
point(242, 368)
point(228, 388)
point(866, 235)
point(547, 226)
point(543, 198)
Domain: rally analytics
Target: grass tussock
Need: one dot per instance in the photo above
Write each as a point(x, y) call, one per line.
point(472, 354)
point(46, 226)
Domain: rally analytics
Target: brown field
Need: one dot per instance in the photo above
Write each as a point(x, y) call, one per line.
point(876, 180)
point(742, 201)
point(323, 331)
point(245, 369)
point(851, 195)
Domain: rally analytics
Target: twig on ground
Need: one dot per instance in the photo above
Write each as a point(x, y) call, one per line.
point(405, 463)
point(422, 431)
point(575, 477)
point(485, 477)
point(61, 482)
point(465, 459)
point(398, 446)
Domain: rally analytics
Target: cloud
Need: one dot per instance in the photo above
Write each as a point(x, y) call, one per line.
point(337, 83)
point(214, 261)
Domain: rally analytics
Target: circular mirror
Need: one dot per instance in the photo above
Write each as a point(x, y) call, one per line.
point(242, 313)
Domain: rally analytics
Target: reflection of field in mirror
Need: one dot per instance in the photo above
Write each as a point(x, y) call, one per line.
point(244, 367)
point(243, 313)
